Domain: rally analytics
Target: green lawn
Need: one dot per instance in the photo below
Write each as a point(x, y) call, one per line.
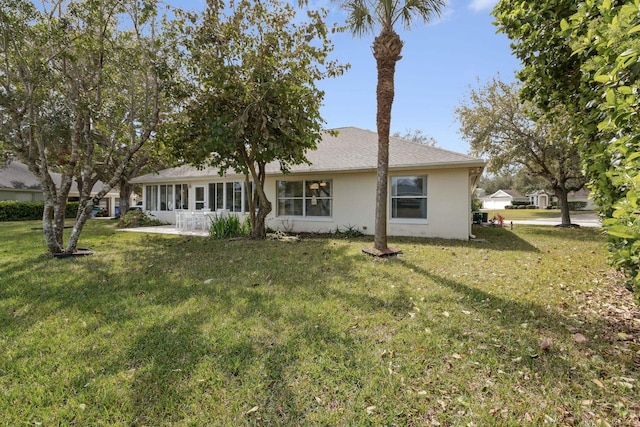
point(166, 330)
point(515, 214)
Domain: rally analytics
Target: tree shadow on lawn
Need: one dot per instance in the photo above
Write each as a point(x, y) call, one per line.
point(241, 335)
point(581, 234)
point(550, 323)
point(490, 238)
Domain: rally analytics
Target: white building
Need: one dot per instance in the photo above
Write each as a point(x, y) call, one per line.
point(429, 189)
point(502, 198)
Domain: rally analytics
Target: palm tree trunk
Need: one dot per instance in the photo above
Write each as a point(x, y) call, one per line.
point(386, 50)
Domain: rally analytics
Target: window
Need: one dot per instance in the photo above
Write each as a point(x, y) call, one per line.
point(228, 195)
point(409, 197)
point(151, 198)
point(305, 198)
point(162, 197)
point(182, 196)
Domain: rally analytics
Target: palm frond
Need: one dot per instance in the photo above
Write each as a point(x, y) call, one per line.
point(421, 9)
point(360, 20)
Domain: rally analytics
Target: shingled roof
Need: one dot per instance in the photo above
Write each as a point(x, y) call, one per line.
point(17, 176)
point(353, 149)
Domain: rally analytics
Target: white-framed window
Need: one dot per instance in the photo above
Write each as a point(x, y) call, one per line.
point(305, 198)
point(409, 197)
point(166, 197)
point(231, 196)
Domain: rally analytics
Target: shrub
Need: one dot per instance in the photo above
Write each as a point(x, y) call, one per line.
point(348, 232)
point(11, 210)
point(137, 218)
point(576, 206)
point(228, 226)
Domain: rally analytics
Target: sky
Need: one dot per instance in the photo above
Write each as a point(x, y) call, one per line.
point(441, 61)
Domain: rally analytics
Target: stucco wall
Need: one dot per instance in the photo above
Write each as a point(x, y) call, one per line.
point(448, 204)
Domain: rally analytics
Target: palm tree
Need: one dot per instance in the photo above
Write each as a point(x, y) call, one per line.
point(364, 17)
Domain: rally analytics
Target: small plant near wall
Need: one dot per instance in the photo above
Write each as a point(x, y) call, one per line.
point(347, 232)
point(229, 226)
point(137, 218)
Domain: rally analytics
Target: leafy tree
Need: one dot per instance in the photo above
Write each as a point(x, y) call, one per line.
point(254, 99)
point(604, 35)
point(491, 183)
point(81, 93)
point(365, 16)
point(416, 135)
point(580, 57)
point(497, 125)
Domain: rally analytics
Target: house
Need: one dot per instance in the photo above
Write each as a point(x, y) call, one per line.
point(540, 199)
point(502, 198)
point(543, 199)
point(18, 183)
point(429, 194)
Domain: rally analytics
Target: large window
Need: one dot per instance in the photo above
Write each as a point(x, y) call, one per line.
point(304, 198)
point(409, 197)
point(166, 197)
point(229, 196)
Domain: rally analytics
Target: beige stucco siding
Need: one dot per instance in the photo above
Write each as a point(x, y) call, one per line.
point(448, 209)
point(353, 204)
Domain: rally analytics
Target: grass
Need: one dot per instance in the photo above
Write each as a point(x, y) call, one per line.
point(516, 214)
point(160, 330)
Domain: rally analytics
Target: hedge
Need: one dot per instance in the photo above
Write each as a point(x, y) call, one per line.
point(11, 210)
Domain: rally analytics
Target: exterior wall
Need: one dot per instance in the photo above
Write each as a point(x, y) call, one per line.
point(353, 204)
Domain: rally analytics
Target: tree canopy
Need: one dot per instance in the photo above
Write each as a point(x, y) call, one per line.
point(82, 86)
point(581, 58)
point(498, 126)
point(254, 67)
point(605, 36)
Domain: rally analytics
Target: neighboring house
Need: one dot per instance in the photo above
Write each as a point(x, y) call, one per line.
point(542, 198)
point(502, 198)
point(429, 189)
point(18, 183)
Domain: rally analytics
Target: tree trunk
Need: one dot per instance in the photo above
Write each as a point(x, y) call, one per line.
point(126, 188)
point(386, 50)
point(258, 229)
point(563, 203)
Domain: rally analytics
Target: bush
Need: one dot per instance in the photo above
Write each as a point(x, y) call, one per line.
point(576, 206)
point(228, 226)
point(11, 210)
point(137, 218)
point(532, 207)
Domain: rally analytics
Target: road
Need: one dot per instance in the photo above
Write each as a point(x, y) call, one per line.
point(583, 220)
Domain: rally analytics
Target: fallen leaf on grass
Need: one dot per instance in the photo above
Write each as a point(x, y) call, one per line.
point(579, 338)
point(371, 410)
point(597, 382)
point(624, 337)
point(545, 344)
point(252, 410)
